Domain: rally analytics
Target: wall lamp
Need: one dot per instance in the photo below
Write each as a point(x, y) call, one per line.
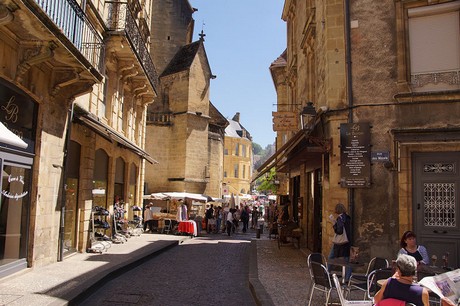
point(307, 113)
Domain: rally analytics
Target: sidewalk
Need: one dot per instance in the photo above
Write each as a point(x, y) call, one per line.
point(276, 277)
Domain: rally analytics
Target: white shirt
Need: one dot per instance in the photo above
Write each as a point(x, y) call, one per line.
point(230, 217)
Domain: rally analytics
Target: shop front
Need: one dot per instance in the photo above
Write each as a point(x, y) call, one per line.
point(17, 137)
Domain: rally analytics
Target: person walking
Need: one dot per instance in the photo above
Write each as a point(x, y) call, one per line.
point(209, 216)
point(230, 221)
point(341, 242)
point(148, 217)
point(245, 218)
point(218, 216)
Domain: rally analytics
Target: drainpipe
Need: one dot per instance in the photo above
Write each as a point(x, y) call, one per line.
point(351, 191)
point(63, 184)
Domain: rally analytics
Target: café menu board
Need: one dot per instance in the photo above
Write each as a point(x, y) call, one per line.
point(355, 162)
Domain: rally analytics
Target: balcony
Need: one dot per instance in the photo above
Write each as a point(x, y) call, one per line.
point(122, 19)
point(74, 27)
point(159, 118)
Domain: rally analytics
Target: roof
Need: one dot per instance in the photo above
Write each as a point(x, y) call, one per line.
point(235, 129)
point(183, 58)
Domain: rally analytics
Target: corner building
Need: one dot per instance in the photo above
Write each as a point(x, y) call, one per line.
point(383, 137)
point(74, 89)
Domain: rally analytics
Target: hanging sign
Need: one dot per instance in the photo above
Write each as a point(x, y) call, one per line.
point(285, 121)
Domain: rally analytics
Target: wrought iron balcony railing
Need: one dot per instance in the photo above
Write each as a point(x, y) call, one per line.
point(121, 17)
point(68, 16)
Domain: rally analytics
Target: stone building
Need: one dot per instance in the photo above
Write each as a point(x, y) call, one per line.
point(382, 132)
point(75, 82)
point(237, 158)
point(185, 132)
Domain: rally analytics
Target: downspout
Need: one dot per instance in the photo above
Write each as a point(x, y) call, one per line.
point(351, 191)
point(64, 182)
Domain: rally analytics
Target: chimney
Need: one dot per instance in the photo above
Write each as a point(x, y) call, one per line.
point(236, 117)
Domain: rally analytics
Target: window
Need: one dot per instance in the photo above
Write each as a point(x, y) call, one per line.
point(237, 149)
point(225, 173)
point(225, 151)
point(243, 149)
point(236, 170)
point(244, 171)
point(434, 49)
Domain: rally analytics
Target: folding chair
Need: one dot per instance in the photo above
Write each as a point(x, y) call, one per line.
point(358, 281)
point(167, 226)
point(321, 281)
point(345, 302)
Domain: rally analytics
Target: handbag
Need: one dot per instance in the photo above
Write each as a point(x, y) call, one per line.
point(340, 238)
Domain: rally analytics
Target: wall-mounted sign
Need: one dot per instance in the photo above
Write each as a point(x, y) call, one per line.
point(285, 121)
point(355, 161)
point(381, 157)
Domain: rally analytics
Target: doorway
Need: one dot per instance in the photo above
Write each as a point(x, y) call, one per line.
point(436, 204)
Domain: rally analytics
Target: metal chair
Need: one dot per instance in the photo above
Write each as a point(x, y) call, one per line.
point(373, 277)
point(358, 281)
point(321, 281)
point(345, 302)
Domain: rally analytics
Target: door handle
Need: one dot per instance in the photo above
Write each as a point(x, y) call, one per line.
point(437, 232)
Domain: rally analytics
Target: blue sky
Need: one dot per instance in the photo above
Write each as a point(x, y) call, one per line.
point(243, 37)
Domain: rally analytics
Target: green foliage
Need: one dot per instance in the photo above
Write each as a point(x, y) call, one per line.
point(256, 148)
point(266, 183)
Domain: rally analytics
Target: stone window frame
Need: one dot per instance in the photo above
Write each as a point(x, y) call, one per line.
point(402, 39)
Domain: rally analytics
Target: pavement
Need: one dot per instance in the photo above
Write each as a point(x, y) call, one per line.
point(277, 276)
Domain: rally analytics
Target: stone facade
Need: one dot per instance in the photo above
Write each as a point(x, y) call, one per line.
point(184, 130)
point(237, 158)
point(372, 73)
point(77, 110)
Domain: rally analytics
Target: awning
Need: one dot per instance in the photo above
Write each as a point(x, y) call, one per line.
point(10, 138)
point(175, 195)
point(299, 148)
point(90, 120)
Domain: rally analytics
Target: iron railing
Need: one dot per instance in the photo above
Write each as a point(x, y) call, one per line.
point(68, 16)
point(121, 17)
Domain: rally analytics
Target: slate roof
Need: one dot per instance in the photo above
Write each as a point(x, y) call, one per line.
point(183, 58)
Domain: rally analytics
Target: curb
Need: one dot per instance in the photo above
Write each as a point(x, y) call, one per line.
point(261, 296)
point(93, 284)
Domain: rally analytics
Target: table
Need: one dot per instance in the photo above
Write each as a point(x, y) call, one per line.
point(340, 261)
point(188, 227)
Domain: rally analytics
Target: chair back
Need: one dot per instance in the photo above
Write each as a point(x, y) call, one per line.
point(320, 275)
point(316, 257)
point(345, 302)
point(373, 277)
point(377, 263)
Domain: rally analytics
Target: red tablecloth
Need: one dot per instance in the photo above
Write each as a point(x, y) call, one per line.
point(188, 227)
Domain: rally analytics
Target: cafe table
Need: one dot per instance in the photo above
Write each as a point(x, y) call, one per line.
point(188, 227)
point(340, 261)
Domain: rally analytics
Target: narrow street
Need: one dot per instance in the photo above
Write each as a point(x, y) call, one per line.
point(209, 270)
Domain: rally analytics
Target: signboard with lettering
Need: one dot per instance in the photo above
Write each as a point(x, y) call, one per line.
point(380, 156)
point(355, 161)
point(285, 121)
point(18, 113)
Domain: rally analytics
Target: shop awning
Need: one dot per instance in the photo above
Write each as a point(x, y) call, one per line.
point(301, 147)
point(9, 138)
point(90, 120)
point(176, 195)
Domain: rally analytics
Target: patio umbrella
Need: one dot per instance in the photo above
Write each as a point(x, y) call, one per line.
point(232, 201)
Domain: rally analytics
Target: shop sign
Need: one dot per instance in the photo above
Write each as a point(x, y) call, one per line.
point(17, 113)
point(285, 121)
point(355, 161)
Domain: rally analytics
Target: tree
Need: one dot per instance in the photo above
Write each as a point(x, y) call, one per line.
point(266, 183)
point(256, 148)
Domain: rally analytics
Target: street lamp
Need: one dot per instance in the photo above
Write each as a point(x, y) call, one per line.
point(308, 112)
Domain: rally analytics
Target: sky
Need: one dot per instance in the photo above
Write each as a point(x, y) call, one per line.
point(243, 37)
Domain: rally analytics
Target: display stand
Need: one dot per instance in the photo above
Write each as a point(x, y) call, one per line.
point(99, 225)
point(135, 225)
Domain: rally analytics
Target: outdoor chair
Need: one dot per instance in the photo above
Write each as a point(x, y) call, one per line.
point(358, 281)
point(374, 276)
point(345, 302)
point(321, 281)
point(315, 257)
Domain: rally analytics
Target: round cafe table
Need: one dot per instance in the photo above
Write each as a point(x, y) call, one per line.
point(340, 261)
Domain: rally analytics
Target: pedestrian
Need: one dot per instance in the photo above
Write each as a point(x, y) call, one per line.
point(245, 218)
point(230, 221)
point(218, 217)
point(341, 242)
point(209, 215)
point(148, 217)
point(254, 217)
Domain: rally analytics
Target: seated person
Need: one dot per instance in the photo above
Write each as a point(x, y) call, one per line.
point(401, 285)
point(409, 246)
